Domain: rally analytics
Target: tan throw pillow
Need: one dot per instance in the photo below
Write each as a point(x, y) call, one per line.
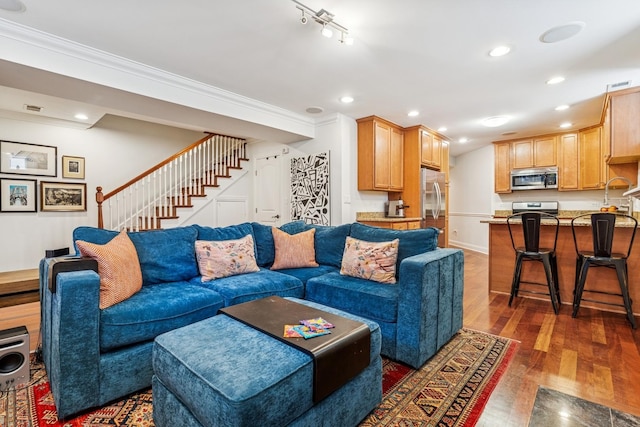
point(370, 260)
point(294, 250)
point(217, 259)
point(118, 266)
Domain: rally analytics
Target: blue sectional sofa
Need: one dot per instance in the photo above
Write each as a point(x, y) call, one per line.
point(95, 356)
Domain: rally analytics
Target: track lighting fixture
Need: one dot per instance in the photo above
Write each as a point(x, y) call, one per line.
point(327, 32)
point(324, 18)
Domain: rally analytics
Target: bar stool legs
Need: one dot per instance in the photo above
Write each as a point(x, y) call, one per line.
point(550, 265)
point(601, 255)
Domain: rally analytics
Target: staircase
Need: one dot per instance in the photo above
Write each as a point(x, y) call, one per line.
point(159, 193)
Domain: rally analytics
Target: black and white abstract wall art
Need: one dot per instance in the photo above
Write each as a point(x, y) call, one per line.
point(310, 189)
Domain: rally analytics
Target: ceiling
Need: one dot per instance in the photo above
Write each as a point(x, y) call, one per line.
point(425, 55)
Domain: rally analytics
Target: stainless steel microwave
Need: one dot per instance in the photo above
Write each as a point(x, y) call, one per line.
point(534, 179)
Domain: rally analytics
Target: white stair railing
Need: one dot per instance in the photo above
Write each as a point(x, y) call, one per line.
point(157, 193)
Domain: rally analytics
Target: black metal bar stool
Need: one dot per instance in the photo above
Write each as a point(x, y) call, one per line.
point(601, 254)
point(531, 251)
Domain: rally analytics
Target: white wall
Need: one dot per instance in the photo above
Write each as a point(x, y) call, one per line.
point(115, 151)
point(338, 135)
point(470, 199)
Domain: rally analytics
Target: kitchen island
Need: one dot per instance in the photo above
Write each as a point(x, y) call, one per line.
point(502, 263)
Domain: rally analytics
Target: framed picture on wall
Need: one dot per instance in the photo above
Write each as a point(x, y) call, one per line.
point(18, 195)
point(62, 197)
point(28, 159)
point(73, 167)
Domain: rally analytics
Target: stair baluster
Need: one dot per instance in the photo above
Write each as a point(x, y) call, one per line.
point(158, 193)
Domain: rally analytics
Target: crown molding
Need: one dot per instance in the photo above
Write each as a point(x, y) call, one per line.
point(27, 46)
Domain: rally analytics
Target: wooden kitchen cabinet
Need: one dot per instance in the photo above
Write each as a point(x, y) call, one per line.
point(430, 149)
point(502, 167)
point(394, 225)
point(540, 152)
point(591, 159)
point(568, 167)
point(380, 155)
point(624, 111)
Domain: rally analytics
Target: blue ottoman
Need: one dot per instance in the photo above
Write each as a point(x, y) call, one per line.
point(221, 372)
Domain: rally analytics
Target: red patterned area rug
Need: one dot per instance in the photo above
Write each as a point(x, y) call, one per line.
point(451, 389)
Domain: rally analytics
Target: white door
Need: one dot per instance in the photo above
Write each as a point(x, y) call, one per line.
point(267, 186)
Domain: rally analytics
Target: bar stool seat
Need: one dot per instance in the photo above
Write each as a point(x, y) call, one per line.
point(603, 226)
point(530, 250)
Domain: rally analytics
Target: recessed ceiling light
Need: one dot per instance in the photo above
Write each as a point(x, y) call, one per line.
point(346, 99)
point(442, 129)
point(492, 122)
point(566, 125)
point(413, 113)
point(555, 80)
point(562, 107)
point(12, 5)
point(499, 51)
point(81, 116)
point(314, 110)
point(562, 32)
point(463, 140)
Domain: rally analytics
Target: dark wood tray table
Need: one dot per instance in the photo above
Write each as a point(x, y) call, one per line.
point(337, 357)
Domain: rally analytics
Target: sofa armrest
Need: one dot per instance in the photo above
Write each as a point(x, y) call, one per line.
point(70, 335)
point(64, 264)
point(430, 303)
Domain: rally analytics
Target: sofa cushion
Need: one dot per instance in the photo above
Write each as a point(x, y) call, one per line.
point(329, 243)
point(118, 267)
point(263, 283)
point(294, 250)
point(265, 247)
point(230, 232)
point(222, 258)
point(357, 296)
point(165, 255)
point(370, 260)
point(412, 242)
point(305, 274)
point(155, 310)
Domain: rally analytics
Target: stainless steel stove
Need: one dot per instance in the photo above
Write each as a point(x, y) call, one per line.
point(546, 207)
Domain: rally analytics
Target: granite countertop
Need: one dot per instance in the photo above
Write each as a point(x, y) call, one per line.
point(380, 217)
point(565, 217)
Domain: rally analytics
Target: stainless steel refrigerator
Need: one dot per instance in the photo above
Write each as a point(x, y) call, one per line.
point(433, 204)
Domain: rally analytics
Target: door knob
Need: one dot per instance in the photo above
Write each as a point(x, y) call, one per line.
point(276, 216)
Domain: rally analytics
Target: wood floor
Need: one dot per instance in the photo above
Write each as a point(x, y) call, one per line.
point(595, 356)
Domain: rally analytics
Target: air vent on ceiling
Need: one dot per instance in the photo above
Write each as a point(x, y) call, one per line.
point(617, 86)
point(33, 108)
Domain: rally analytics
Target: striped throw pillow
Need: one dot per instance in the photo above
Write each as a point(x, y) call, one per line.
point(294, 250)
point(118, 267)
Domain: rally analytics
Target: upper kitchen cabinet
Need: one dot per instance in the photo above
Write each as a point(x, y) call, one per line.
point(568, 162)
point(591, 159)
point(540, 152)
point(502, 167)
point(380, 155)
point(429, 143)
point(624, 110)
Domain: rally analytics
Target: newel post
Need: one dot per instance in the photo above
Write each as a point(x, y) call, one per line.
point(99, 199)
